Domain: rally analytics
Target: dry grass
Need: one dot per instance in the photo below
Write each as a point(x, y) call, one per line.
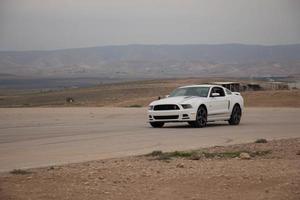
point(200, 154)
point(272, 98)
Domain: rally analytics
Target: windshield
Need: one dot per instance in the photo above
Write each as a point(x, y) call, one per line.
point(190, 91)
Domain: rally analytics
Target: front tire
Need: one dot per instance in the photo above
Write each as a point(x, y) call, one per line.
point(236, 115)
point(201, 118)
point(157, 124)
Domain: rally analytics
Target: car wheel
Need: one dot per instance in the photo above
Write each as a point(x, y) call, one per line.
point(157, 124)
point(201, 118)
point(236, 115)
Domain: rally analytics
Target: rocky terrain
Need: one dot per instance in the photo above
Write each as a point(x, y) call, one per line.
point(259, 170)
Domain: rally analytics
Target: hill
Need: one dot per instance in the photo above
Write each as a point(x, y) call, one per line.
point(154, 61)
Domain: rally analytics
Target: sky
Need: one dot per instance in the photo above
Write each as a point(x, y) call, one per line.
point(59, 24)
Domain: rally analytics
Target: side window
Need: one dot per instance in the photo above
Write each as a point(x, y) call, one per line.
point(218, 90)
point(221, 92)
point(228, 92)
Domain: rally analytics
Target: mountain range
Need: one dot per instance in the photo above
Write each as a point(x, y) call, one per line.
point(154, 61)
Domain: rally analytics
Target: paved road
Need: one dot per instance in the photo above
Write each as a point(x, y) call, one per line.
point(33, 137)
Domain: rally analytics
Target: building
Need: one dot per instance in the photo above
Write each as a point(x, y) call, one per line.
point(279, 85)
point(232, 86)
point(253, 87)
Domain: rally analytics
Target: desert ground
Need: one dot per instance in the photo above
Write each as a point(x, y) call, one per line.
point(269, 171)
point(105, 132)
point(135, 94)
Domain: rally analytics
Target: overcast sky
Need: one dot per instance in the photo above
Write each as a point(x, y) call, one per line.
point(56, 24)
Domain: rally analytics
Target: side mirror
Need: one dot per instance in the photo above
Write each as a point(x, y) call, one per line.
point(215, 94)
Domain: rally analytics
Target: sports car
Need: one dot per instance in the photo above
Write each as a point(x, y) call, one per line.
point(197, 105)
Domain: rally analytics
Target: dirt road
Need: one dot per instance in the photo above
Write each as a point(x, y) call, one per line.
point(34, 137)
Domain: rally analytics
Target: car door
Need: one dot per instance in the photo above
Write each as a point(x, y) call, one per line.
point(218, 105)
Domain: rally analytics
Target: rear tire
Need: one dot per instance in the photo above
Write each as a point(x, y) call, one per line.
point(157, 124)
point(201, 118)
point(236, 115)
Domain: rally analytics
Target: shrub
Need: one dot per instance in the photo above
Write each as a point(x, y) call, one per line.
point(261, 141)
point(155, 153)
point(135, 106)
point(19, 171)
point(197, 154)
point(70, 100)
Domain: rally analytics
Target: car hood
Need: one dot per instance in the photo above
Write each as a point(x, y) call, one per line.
point(177, 100)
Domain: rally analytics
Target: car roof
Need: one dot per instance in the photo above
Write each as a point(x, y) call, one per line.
point(202, 85)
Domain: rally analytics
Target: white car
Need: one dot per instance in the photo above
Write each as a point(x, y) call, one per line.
point(197, 105)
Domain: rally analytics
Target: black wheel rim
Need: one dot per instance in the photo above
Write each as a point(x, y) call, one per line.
point(202, 117)
point(237, 114)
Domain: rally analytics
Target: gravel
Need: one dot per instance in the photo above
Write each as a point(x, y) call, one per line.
point(275, 175)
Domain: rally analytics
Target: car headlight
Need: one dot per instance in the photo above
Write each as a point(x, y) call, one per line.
point(150, 107)
point(186, 106)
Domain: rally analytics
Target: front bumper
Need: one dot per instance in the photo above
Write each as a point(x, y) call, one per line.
point(185, 115)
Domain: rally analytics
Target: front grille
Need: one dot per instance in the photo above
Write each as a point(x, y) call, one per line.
point(166, 117)
point(166, 107)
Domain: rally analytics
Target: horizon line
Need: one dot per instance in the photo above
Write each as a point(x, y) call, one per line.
point(141, 44)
